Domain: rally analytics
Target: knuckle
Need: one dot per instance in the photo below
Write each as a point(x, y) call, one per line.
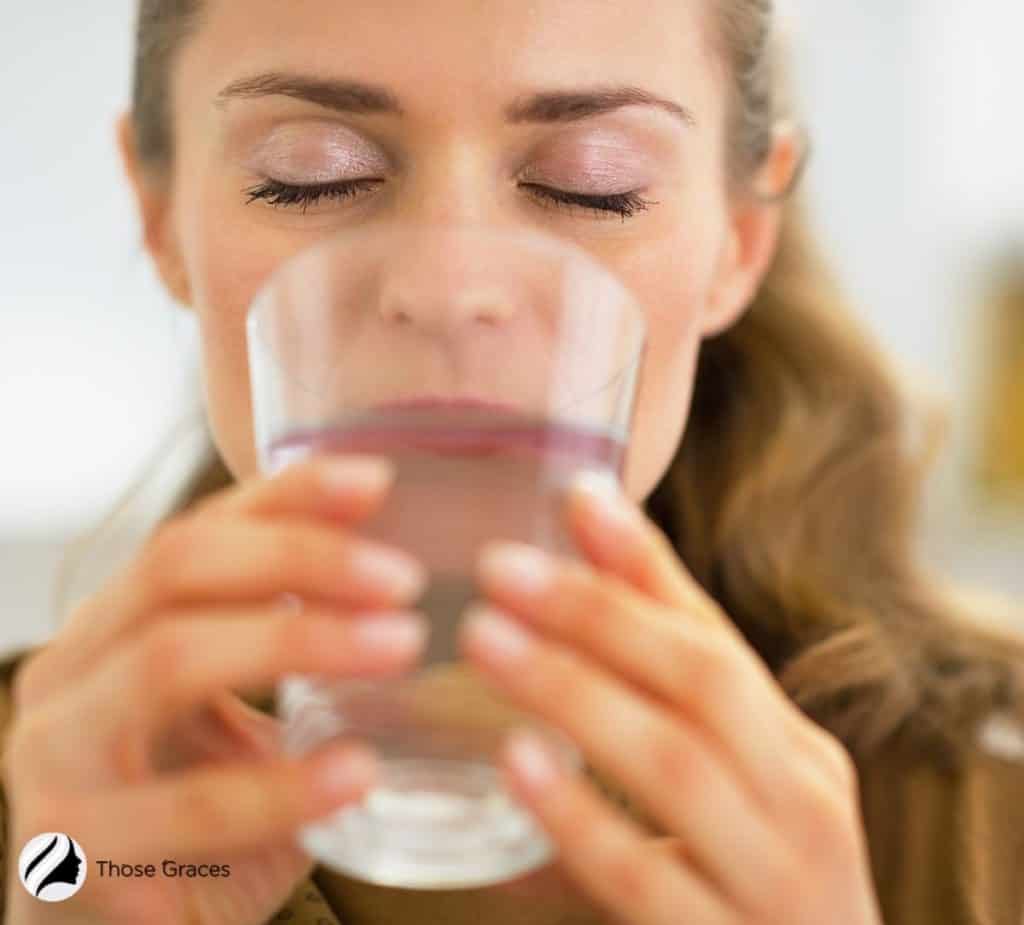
point(718, 670)
point(840, 762)
point(263, 495)
point(822, 827)
point(300, 640)
point(304, 475)
point(675, 764)
point(584, 605)
point(710, 673)
point(628, 875)
point(162, 656)
point(588, 829)
point(168, 554)
point(556, 681)
point(300, 555)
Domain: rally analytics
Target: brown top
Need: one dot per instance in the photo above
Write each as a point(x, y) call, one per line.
point(946, 846)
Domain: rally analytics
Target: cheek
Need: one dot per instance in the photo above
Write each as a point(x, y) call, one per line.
point(226, 269)
point(672, 281)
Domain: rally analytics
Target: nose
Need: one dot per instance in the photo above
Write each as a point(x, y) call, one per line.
point(441, 283)
point(407, 303)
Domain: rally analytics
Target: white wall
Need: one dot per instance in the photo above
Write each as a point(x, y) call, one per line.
point(92, 358)
point(915, 171)
point(916, 181)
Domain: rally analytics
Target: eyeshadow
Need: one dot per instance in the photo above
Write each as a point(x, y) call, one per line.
point(314, 153)
point(598, 161)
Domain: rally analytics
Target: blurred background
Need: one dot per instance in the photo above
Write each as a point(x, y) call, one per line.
point(916, 189)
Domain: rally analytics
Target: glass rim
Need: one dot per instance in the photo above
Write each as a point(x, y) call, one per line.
point(541, 241)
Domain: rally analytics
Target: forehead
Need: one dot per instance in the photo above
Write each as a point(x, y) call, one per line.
point(448, 59)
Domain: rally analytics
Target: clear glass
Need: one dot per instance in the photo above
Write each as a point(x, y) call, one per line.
point(491, 365)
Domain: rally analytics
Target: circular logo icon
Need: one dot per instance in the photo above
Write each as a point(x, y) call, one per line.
point(52, 867)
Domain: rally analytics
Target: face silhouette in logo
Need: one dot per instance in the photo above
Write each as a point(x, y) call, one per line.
point(66, 870)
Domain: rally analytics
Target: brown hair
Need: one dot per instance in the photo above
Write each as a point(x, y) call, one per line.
point(161, 29)
point(793, 495)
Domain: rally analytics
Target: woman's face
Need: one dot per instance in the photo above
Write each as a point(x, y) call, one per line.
point(693, 257)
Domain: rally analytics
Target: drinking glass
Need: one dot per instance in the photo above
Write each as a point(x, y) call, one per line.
point(491, 365)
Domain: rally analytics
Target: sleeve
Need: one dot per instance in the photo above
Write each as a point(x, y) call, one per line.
point(948, 845)
point(9, 663)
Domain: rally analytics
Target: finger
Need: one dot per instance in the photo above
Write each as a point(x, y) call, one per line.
point(713, 680)
point(717, 679)
point(346, 487)
point(235, 559)
point(228, 560)
point(668, 765)
point(603, 850)
point(343, 488)
point(210, 812)
point(176, 665)
point(619, 538)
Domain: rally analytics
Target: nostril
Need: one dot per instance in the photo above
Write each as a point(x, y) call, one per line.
point(397, 309)
point(487, 315)
point(487, 306)
point(446, 309)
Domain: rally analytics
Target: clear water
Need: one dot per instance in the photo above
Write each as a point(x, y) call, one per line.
point(439, 816)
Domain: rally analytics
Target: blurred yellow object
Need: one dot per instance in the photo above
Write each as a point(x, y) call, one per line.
point(1001, 462)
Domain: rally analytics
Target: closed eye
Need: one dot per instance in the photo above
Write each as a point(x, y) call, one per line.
point(624, 204)
point(276, 193)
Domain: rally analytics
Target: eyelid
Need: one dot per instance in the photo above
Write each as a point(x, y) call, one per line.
point(596, 179)
point(595, 160)
point(301, 154)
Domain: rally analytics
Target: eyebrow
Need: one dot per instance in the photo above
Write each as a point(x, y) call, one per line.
point(357, 97)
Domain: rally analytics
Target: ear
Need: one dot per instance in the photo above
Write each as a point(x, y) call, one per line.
point(753, 233)
point(153, 199)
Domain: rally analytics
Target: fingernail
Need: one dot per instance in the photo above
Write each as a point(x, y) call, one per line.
point(524, 568)
point(603, 491)
point(343, 771)
point(498, 635)
point(360, 473)
point(391, 570)
point(530, 759)
point(392, 633)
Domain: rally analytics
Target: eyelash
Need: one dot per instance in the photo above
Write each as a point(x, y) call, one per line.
point(276, 193)
point(623, 204)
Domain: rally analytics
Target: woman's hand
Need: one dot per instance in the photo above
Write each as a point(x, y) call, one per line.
point(128, 733)
point(628, 657)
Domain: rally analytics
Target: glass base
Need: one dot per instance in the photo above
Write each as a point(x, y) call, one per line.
point(431, 823)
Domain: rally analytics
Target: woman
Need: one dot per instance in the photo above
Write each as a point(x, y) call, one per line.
point(813, 734)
